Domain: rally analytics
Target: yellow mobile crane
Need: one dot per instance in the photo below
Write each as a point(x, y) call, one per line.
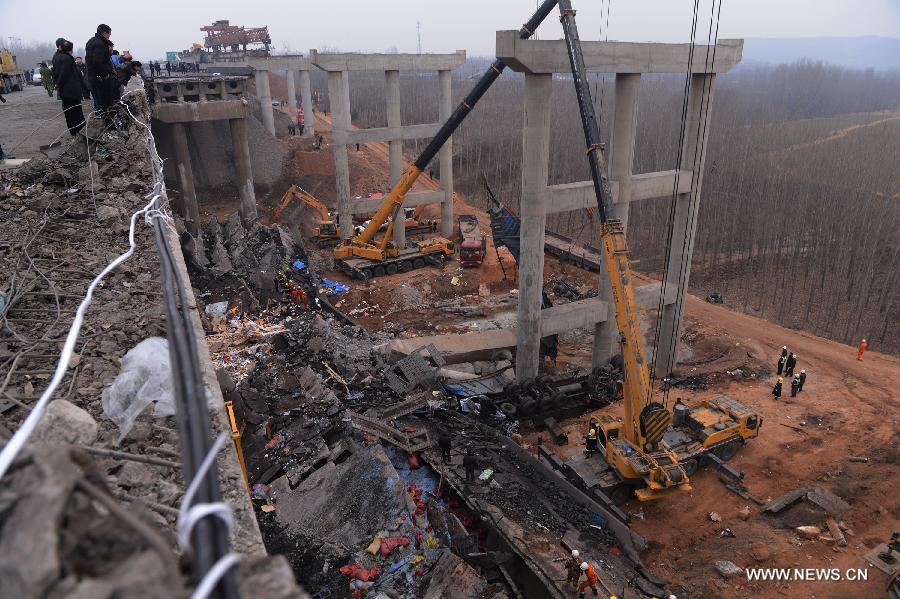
point(364, 257)
point(634, 446)
point(642, 450)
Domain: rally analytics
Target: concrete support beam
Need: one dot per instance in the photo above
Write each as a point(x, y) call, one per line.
point(550, 56)
point(291, 90)
point(395, 145)
point(621, 164)
point(242, 170)
point(535, 167)
point(195, 112)
point(678, 268)
point(376, 134)
point(580, 195)
point(446, 156)
point(265, 100)
point(189, 209)
point(339, 92)
point(367, 205)
point(387, 62)
point(309, 127)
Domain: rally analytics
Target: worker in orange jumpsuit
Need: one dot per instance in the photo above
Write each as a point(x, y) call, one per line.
point(591, 580)
point(863, 345)
point(298, 295)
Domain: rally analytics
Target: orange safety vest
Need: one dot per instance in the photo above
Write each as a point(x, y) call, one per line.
point(591, 574)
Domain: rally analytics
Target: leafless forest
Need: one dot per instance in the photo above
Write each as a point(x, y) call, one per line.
point(799, 217)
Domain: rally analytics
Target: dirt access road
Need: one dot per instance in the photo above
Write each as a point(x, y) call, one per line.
point(847, 408)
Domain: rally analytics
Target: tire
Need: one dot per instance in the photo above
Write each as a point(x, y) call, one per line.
point(508, 409)
point(367, 273)
point(620, 494)
point(391, 269)
point(528, 406)
point(378, 271)
point(418, 263)
point(690, 466)
point(726, 452)
point(406, 266)
point(545, 404)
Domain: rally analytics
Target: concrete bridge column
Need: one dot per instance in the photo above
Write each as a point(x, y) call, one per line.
point(339, 97)
point(265, 99)
point(306, 100)
point(392, 98)
point(446, 158)
point(291, 91)
point(188, 206)
point(621, 163)
point(535, 170)
point(678, 268)
point(243, 173)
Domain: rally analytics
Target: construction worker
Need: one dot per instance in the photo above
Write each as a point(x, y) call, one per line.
point(795, 385)
point(776, 391)
point(470, 463)
point(573, 570)
point(444, 446)
point(781, 362)
point(784, 351)
point(863, 345)
point(801, 378)
point(591, 441)
point(590, 581)
point(790, 364)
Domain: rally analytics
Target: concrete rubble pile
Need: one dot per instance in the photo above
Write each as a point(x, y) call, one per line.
point(83, 513)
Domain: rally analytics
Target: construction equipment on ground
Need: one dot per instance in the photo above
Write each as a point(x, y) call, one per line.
point(362, 256)
point(326, 232)
point(12, 78)
point(633, 446)
point(642, 451)
point(473, 244)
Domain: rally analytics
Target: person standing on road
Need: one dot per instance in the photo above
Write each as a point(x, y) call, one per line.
point(85, 90)
point(776, 390)
point(470, 463)
point(99, 68)
point(168, 69)
point(781, 361)
point(795, 385)
point(801, 378)
point(68, 86)
point(47, 78)
point(863, 346)
point(790, 364)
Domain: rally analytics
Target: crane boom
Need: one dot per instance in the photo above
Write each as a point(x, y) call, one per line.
point(639, 451)
point(394, 201)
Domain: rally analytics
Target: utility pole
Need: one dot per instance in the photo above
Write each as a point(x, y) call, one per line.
point(419, 35)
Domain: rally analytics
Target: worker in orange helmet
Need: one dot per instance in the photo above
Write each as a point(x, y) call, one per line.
point(591, 580)
point(863, 345)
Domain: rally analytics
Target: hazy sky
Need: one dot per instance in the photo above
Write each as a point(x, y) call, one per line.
point(151, 28)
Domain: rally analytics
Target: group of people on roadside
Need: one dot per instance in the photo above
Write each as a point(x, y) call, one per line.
point(100, 75)
point(787, 362)
point(179, 67)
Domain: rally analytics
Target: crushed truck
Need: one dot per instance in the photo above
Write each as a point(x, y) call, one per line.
point(12, 78)
point(473, 244)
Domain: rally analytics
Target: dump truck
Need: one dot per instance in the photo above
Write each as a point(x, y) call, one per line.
point(473, 244)
point(12, 78)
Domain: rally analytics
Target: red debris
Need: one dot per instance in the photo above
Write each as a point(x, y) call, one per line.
point(359, 573)
point(409, 429)
point(274, 442)
point(388, 544)
point(413, 461)
point(615, 550)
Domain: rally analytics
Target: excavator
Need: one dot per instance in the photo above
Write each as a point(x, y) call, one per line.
point(641, 452)
point(362, 256)
point(327, 232)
